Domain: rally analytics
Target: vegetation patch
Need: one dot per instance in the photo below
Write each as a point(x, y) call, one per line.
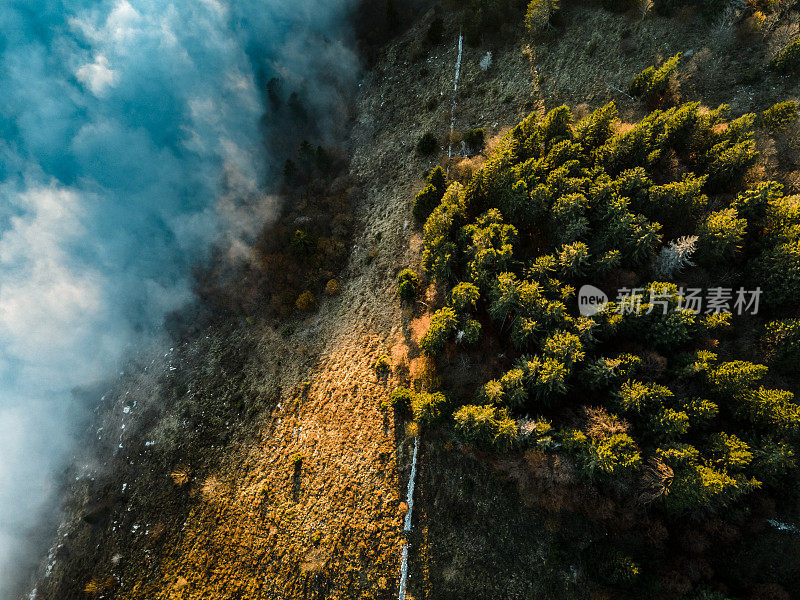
point(647, 399)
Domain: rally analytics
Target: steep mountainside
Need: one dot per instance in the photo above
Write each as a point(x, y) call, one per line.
point(260, 459)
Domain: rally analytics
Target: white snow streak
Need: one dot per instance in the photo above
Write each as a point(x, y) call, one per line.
point(455, 92)
point(407, 526)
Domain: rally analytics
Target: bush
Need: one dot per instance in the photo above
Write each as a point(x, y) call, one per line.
point(485, 426)
point(427, 144)
point(778, 115)
point(720, 235)
point(788, 59)
point(435, 31)
point(306, 301)
point(383, 365)
point(427, 407)
point(726, 163)
point(781, 344)
point(400, 398)
point(474, 139)
point(407, 285)
point(431, 195)
point(538, 15)
point(573, 259)
point(652, 83)
point(441, 329)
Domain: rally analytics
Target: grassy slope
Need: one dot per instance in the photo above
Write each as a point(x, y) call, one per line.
point(248, 524)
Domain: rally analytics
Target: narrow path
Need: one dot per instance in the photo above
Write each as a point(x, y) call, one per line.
point(407, 526)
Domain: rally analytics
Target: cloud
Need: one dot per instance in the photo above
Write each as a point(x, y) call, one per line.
point(97, 76)
point(132, 136)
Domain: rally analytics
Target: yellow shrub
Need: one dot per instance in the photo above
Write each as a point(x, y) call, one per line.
point(306, 301)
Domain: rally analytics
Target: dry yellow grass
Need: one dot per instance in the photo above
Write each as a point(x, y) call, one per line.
point(99, 585)
point(260, 527)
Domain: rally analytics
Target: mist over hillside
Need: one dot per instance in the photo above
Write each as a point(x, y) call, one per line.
point(134, 134)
